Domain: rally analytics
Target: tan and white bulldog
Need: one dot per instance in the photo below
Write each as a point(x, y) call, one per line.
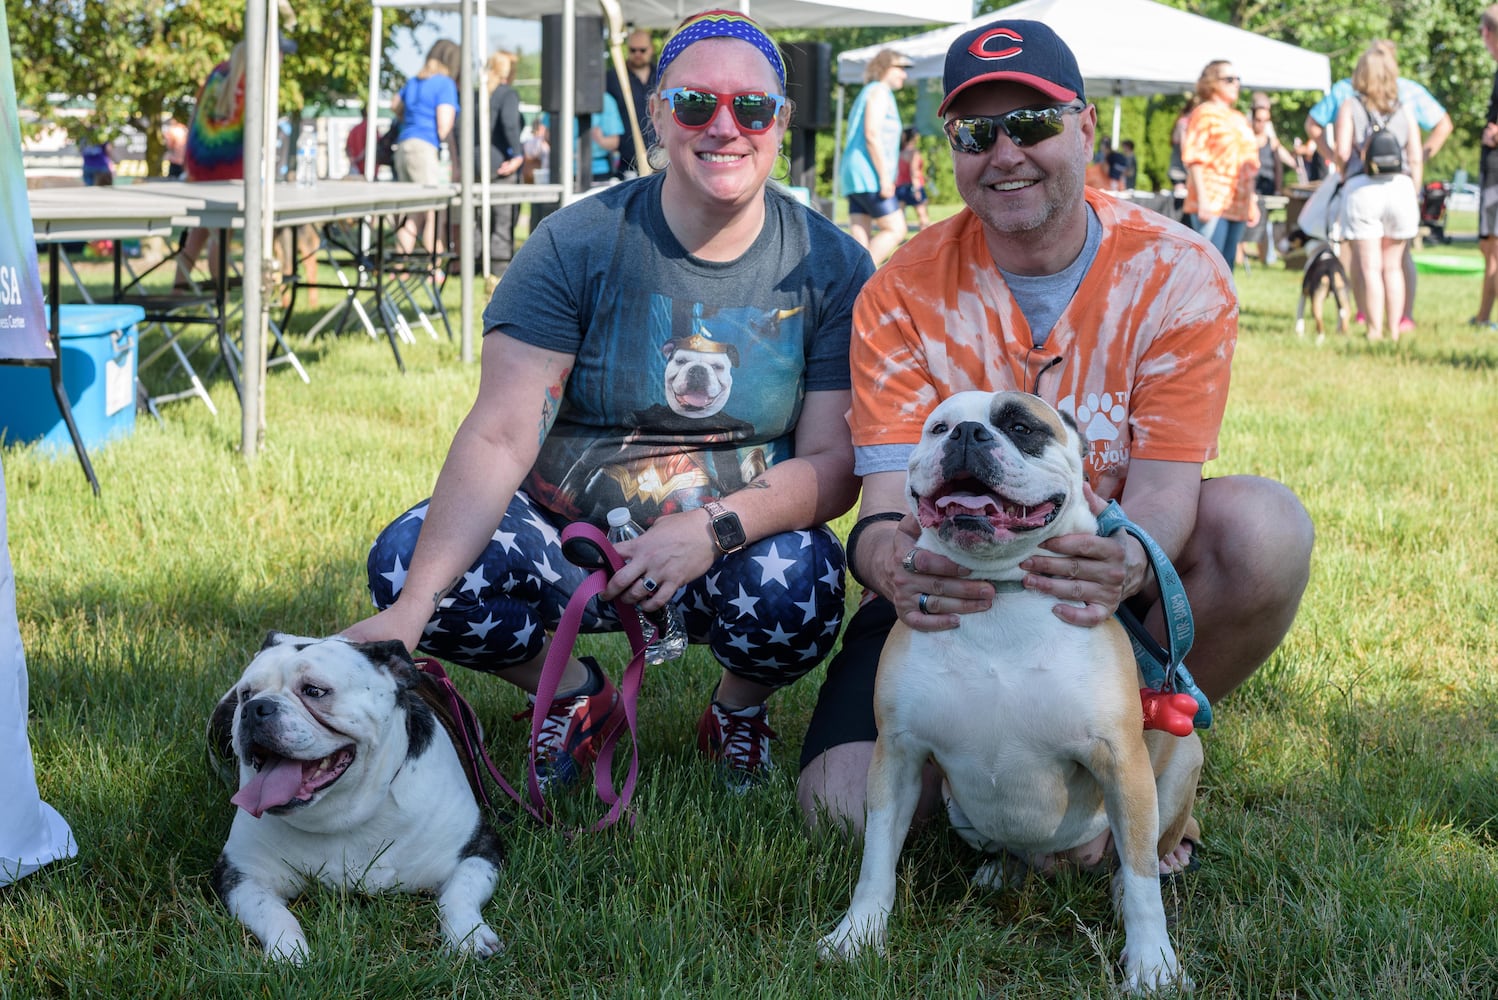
point(348, 777)
point(1035, 723)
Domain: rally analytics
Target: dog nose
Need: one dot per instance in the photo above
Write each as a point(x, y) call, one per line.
point(260, 709)
point(971, 432)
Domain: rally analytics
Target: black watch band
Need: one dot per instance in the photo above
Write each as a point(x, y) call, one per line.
point(852, 547)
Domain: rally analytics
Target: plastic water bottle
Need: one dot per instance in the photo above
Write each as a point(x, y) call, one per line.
point(306, 157)
point(665, 630)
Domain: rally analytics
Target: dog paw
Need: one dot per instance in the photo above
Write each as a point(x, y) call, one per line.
point(1002, 871)
point(850, 940)
point(1160, 971)
point(288, 948)
point(481, 943)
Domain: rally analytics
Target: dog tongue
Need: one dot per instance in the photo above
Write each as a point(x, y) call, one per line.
point(976, 504)
point(275, 784)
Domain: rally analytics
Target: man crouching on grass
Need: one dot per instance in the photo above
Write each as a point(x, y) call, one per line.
point(1113, 314)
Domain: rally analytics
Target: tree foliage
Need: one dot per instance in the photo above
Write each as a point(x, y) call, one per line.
point(138, 61)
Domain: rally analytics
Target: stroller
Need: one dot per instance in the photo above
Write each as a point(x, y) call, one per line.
point(1433, 209)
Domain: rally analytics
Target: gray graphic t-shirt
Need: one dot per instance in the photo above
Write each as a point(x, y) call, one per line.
point(689, 374)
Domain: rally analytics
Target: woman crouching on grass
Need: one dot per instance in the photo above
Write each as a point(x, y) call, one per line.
point(677, 345)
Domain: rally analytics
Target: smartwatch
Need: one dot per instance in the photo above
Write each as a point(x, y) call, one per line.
point(728, 530)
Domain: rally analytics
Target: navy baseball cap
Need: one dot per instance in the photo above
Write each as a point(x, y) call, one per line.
point(1025, 52)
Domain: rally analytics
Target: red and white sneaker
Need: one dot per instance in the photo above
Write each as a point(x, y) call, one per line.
point(739, 741)
point(574, 728)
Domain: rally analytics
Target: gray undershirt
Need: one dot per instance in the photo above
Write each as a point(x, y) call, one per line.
point(1042, 298)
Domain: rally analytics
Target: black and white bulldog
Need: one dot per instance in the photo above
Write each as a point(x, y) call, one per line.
point(699, 375)
point(346, 777)
point(1035, 723)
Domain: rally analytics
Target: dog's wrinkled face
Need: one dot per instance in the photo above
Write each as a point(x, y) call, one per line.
point(306, 717)
point(698, 383)
point(993, 476)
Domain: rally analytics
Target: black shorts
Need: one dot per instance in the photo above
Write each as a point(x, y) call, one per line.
point(845, 705)
point(870, 204)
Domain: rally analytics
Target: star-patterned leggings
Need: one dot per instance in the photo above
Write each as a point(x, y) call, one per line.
point(769, 612)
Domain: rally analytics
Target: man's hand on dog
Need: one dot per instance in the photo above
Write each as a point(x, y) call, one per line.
point(1096, 569)
point(948, 594)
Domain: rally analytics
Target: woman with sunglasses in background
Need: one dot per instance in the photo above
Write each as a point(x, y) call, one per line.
point(871, 158)
point(677, 345)
point(1222, 162)
point(1115, 315)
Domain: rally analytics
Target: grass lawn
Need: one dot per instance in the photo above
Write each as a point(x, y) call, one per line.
point(1348, 799)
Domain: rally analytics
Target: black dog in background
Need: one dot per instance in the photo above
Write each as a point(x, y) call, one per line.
point(1323, 275)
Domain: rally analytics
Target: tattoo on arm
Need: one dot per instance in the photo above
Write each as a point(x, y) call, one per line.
point(552, 405)
point(438, 595)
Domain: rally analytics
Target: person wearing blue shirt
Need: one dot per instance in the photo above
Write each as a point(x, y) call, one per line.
point(427, 107)
point(1435, 125)
point(606, 134)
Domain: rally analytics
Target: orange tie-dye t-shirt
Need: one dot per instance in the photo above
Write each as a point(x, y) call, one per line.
point(1220, 140)
point(1145, 345)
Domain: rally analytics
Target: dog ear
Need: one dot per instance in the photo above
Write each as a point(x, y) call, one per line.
point(386, 651)
point(220, 748)
point(1071, 425)
point(668, 349)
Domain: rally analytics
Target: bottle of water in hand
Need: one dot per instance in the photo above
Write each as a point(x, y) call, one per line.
point(665, 630)
point(306, 157)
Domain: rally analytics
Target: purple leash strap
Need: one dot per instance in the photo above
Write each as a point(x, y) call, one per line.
point(586, 546)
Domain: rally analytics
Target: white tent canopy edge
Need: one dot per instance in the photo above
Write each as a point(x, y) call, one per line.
point(1124, 48)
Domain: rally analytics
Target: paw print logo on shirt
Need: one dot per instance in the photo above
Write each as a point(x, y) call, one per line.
point(1100, 416)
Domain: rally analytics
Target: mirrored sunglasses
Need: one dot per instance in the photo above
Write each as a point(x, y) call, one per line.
point(1026, 126)
point(754, 112)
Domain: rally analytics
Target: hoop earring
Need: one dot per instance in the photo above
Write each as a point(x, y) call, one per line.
point(778, 174)
point(657, 157)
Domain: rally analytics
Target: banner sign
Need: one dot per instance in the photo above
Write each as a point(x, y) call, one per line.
point(23, 311)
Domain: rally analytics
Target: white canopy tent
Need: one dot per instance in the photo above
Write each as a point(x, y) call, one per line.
point(1125, 48)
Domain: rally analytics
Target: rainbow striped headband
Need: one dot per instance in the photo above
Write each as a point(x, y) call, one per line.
point(720, 24)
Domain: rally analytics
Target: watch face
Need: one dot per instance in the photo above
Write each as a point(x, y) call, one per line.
point(729, 532)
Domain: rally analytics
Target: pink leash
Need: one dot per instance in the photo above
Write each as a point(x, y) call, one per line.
point(588, 547)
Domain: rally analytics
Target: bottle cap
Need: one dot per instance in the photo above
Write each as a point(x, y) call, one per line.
point(619, 517)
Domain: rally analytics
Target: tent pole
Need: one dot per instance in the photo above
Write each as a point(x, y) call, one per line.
point(1117, 111)
point(372, 105)
point(565, 166)
point(837, 149)
point(485, 127)
point(465, 172)
point(259, 175)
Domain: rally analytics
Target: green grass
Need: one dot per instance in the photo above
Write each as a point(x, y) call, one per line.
point(1348, 799)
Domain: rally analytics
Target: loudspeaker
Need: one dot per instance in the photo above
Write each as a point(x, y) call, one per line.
point(587, 65)
point(808, 82)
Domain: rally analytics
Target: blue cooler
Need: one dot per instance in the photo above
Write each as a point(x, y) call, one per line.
point(98, 372)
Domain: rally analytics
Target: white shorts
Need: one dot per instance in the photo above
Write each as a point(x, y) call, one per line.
point(1379, 207)
point(416, 161)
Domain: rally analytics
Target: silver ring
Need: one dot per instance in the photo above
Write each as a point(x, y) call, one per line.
point(909, 561)
point(650, 585)
point(922, 604)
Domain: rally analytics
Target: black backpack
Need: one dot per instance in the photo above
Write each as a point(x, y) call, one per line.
point(1382, 151)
